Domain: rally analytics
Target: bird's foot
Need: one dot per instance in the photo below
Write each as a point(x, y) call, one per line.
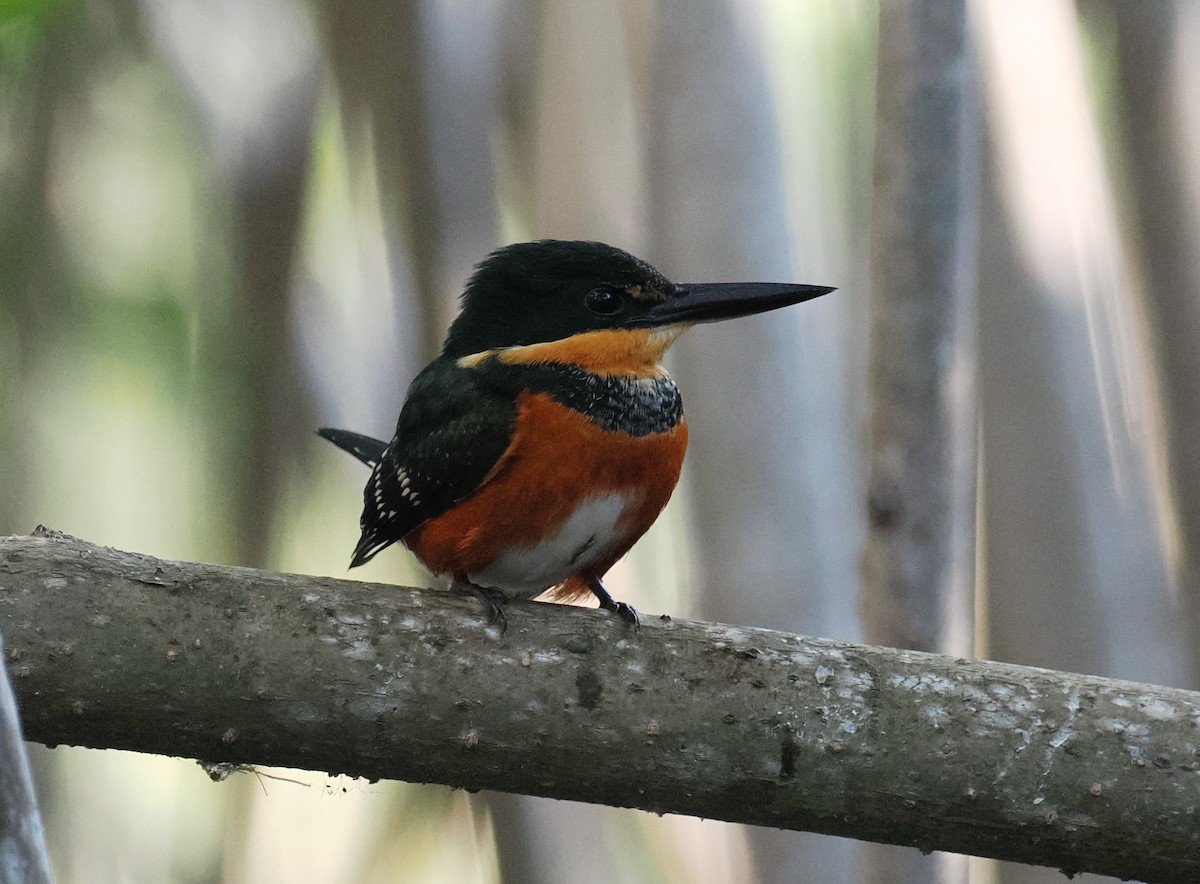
point(625, 611)
point(493, 600)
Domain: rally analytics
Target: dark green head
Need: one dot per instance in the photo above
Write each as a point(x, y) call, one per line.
point(534, 292)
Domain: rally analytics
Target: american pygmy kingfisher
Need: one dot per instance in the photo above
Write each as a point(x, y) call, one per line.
point(547, 437)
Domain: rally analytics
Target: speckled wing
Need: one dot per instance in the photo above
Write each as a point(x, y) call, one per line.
point(451, 433)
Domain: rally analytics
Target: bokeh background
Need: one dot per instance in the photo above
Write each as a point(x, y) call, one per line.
point(226, 222)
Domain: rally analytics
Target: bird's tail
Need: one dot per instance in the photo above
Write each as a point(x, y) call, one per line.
point(368, 545)
point(368, 450)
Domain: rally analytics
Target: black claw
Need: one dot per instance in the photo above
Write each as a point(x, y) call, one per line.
point(625, 611)
point(493, 600)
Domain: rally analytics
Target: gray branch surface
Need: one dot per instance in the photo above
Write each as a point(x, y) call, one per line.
point(116, 650)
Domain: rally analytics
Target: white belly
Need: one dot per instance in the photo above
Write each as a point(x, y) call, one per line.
point(584, 538)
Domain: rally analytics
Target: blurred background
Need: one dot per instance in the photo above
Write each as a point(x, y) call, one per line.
point(224, 223)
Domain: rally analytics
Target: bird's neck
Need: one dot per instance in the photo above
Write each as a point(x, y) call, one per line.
point(636, 404)
point(613, 377)
point(612, 352)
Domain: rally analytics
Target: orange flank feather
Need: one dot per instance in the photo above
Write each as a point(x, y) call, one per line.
point(557, 459)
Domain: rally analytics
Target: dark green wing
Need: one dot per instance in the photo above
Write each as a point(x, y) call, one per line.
point(451, 432)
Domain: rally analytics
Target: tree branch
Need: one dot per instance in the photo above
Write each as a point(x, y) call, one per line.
point(116, 650)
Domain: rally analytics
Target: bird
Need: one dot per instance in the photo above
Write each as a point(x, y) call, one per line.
point(546, 437)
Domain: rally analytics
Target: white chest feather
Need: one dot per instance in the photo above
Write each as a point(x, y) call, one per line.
point(587, 535)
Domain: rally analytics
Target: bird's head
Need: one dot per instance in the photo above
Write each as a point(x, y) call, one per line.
point(551, 290)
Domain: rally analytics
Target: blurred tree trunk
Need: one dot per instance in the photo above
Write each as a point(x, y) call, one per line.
point(262, 143)
point(399, 68)
point(1074, 571)
point(33, 305)
point(23, 856)
point(771, 475)
point(588, 181)
point(1066, 438)
point(520, 35)
point(1036, 557)
point(255, 352)
point(380, 59)
point(919, 564)
point(1151, 41)
point(919, 561)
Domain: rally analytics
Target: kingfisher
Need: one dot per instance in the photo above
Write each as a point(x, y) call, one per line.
point(546, 438)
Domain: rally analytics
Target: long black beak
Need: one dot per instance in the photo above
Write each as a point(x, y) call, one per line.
point(712, 301)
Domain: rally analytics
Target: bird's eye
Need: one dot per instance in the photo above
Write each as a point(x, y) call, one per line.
point(603, 301)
